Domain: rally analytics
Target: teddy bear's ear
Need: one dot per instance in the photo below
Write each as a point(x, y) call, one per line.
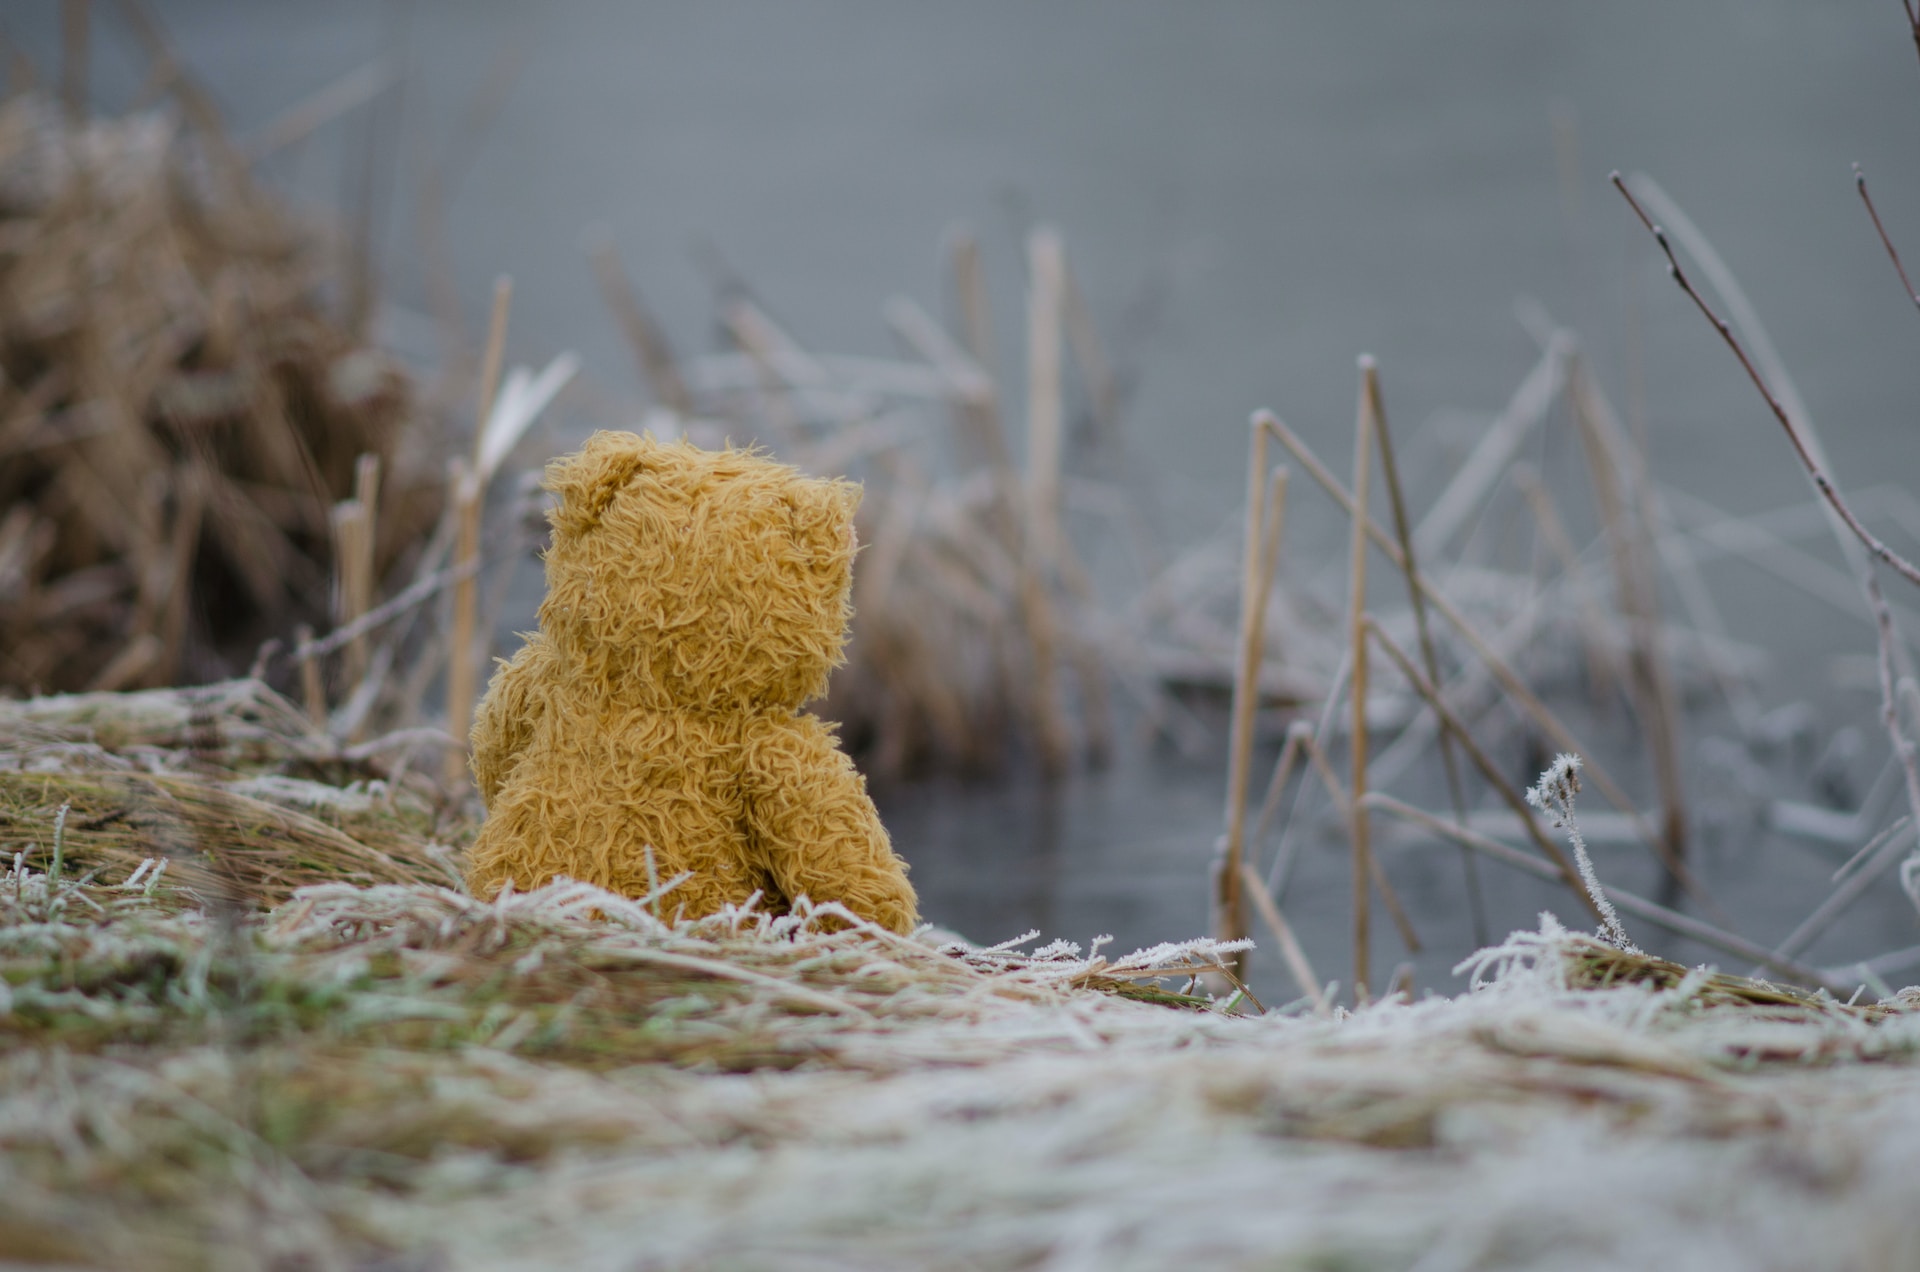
point(588, 482)
point(849, 493)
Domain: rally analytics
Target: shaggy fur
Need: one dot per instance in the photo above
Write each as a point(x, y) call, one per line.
point(695, 601)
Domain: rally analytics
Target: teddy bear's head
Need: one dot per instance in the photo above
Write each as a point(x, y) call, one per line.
point(709, 580)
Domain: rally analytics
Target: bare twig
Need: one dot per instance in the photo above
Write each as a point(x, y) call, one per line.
point(1821, 482)
point(1860, 184)
point(1883, 619)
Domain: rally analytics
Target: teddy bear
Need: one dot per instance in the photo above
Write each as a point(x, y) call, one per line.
point(696, 601)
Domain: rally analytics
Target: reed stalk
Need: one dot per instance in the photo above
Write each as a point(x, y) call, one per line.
point(1343, 805)
point(1402, 527)
point(1260, 550)
point(313, 693)
point(1626, 515)
point(1488, 769)
point(1357, 688)
point(74, 35)
point(1502, 671)
point(1291, 951)
point(469, 498)
point(1044, 443)
point(651, 352)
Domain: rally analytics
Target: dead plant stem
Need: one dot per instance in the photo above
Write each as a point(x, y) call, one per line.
point(1488, 769)
point(1402, 527)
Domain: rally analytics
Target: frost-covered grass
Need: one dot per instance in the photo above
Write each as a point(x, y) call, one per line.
point(270, 1042)
point(400, 1076)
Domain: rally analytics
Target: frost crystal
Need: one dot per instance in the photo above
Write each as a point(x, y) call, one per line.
point(1554, 797)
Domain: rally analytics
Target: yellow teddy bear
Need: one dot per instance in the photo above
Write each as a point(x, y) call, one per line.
point(696, 600)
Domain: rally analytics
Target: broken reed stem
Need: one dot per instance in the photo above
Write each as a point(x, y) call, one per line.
point(1083, 339)
point(1337, 793)
point(1261, 547)
point(1402, 528)
point(1277, 784)
point(491, 364)
point(1821, 482)
point(1879, 855)
point(1290, 950)
point(366, 493)
point(1357, 689)
point(1284, 854)
point(73, 58)
point(1682, 925)
point(468, 497)
point(1508, 679)
point(649, 344)
point(1046, 266)
point(464, 490)
point(1044, 440)
point(1860, 184)
point(1628, 517)
point(976, 337)
point(1903, 747)
point(1593, 617)
point(307, 648)
point(311, 690)
point(349, 521)
point(1488, 769)
point(1014, 526)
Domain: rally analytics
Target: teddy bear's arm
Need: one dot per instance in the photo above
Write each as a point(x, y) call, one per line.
point(817, 831)
point(505, 721)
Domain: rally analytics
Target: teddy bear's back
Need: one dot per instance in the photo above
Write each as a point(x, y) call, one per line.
point(597, 786)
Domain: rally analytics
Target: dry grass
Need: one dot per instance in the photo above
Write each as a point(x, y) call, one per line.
point(401, 1073)
point(301, 1070)
point(179, 410)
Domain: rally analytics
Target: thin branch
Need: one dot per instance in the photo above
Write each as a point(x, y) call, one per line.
point(1860, 184)
point(1903, 747)
point(1821, 482)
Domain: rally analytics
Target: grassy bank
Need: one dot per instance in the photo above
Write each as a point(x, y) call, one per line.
point(345, 1062)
